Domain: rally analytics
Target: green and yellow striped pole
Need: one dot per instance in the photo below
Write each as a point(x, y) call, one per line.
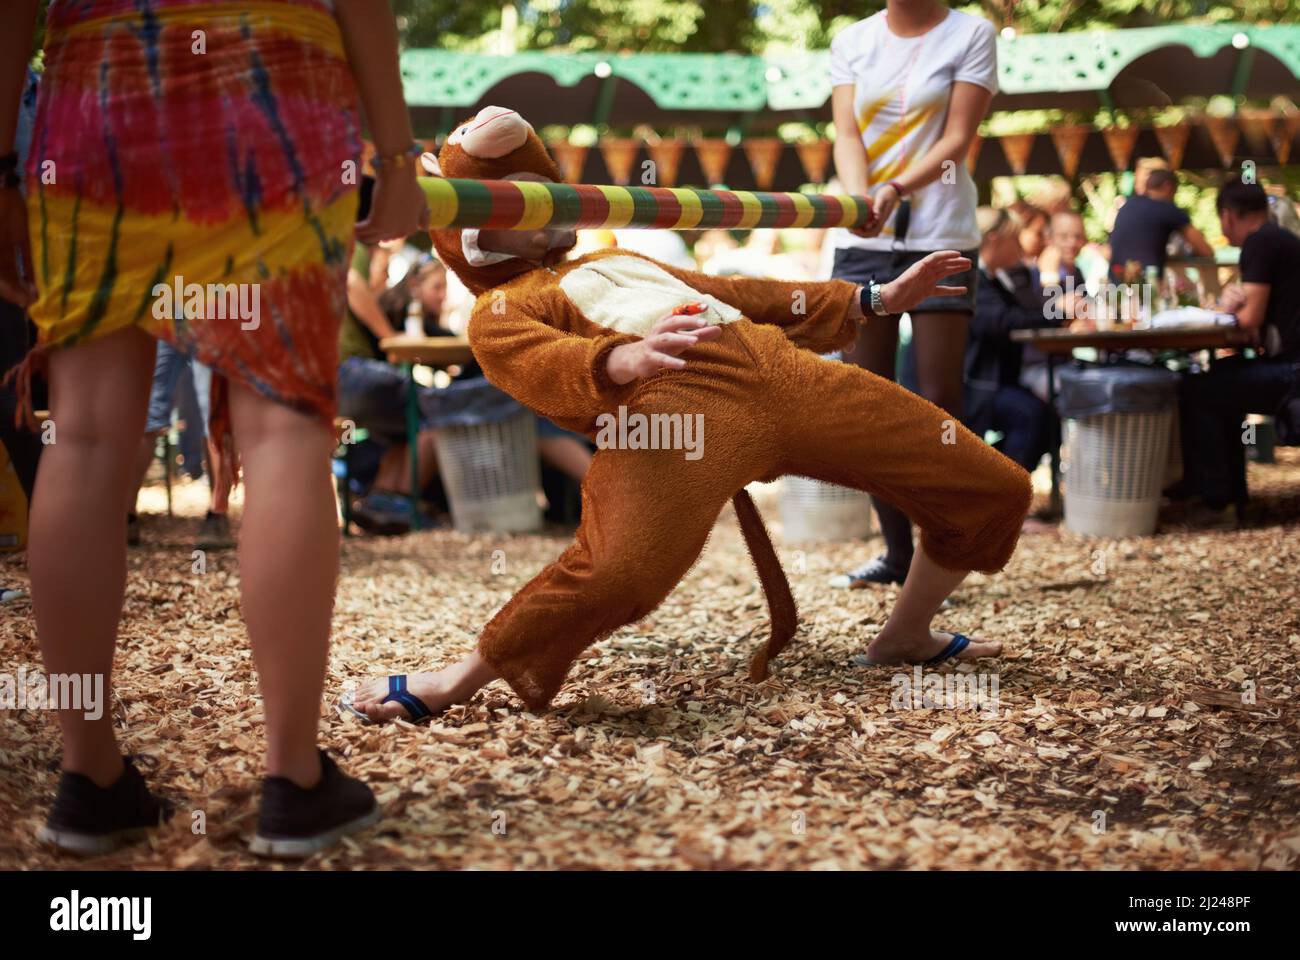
point(530, 205)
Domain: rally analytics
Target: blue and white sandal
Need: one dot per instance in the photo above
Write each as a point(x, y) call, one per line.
point(956, 645)
point(416, 709)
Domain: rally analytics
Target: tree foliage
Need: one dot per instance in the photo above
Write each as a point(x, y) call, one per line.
point(752, 26)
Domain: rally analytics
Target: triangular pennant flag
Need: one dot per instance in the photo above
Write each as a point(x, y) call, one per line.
point(1258, 126)
point(667, 157)
point(1173, 142)
point(1016, 147)
point(571, 158)
point(714, 154)
point(1225, 133)
point(620, 155)
point(1069, 140)
point(763, 154)
point(1120, 141)
point(1283, 136)
point(815, 156)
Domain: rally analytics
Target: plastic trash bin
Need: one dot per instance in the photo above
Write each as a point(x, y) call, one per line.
point(486, 445)
point(813, 510)
point(1118, 449)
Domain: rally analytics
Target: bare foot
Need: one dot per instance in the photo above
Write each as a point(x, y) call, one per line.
point(896, 649)
point(436, 690)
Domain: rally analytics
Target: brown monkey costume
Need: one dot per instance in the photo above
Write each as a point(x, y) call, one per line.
point(770, 406)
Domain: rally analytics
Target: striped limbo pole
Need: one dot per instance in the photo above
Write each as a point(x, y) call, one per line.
point(530, 205)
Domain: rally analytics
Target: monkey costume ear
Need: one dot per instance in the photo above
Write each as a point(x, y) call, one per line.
point(430, 163)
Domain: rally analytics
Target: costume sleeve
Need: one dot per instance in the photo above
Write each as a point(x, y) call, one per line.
point(813, 314)
point(561, 375)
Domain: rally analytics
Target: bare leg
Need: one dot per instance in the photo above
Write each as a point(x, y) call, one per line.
point(144, 457)
point(906, 636)
point(288, 558)
point(565, 454)
point(394, 473)
point(218, 481)
point(99, 393)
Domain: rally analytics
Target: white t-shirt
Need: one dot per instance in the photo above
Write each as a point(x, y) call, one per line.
point(901, 90)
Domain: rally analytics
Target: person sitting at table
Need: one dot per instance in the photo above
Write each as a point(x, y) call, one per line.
point(1058, 284)
point(1214, 404)
point(1144, 225)
point(994, 398)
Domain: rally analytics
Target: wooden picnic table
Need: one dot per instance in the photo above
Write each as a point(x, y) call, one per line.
point(1058, 342)
point(409, 351)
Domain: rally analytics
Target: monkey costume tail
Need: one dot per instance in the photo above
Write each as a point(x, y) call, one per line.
point(780, 602)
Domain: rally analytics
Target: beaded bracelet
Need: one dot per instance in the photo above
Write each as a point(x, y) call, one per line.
point(396, 161)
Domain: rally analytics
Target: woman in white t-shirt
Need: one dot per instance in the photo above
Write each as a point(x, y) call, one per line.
point(910, 85)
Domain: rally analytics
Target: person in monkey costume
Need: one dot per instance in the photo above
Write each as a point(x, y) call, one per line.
point(578, 340)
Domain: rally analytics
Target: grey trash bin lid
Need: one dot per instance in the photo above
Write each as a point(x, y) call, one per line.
point(466, 403)
point(1091, 391)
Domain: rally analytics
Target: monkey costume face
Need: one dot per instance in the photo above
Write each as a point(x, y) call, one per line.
point(495, 144)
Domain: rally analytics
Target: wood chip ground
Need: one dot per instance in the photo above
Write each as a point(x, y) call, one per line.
point(1147, 715)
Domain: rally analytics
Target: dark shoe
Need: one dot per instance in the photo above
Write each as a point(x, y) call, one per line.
point(215, 534)
point(383, 514)
point(873, 571)
point(88, 819)
point(295, 823)
point(132, 530)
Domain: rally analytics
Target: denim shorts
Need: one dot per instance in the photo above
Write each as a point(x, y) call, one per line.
point(858, 265)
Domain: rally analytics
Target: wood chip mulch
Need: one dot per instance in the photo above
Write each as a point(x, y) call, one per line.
point(1147, 713)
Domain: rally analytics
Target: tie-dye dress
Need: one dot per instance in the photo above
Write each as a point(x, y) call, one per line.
point(207, 150)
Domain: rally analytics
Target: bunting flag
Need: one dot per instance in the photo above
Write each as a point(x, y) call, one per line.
point(763, 154)
point(1225, 133)
point(667, 157)
point(620, 156)
point(713, 154)
point(530, 205)
point(571, 158)
point(1173, 142)
point(1120, 141)
point(1069, 140)
point(815, 155)
point(1017, 147)
point(1283, 135)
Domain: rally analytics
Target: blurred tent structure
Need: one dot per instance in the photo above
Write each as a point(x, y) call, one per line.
point(717, 118)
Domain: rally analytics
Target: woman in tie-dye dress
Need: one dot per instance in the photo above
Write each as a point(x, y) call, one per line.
point(192, 177)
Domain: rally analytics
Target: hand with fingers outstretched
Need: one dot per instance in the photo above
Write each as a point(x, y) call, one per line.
point(662, 349)
point(920, 281)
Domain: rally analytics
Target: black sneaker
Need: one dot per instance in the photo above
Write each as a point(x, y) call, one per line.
point(88, 819)
point(873, 571)
point(214, 533)
point(132, 530)
point(295, 823)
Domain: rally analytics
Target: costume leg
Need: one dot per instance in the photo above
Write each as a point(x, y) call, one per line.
point(847, 426)
point(646, 515)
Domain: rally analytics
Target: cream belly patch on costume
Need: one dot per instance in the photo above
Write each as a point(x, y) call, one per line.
point(631, 295)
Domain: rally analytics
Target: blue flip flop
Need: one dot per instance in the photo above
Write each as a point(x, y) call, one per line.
point(416, 708)
point(956, 645)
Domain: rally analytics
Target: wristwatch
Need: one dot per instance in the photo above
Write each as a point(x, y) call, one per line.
point(869, 299)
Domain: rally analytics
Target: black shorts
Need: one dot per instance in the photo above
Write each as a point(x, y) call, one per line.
point(858, 265)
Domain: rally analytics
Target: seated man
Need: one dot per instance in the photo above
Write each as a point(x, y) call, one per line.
point(1144, 225)
point(1215, 403)
point(995, 400)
